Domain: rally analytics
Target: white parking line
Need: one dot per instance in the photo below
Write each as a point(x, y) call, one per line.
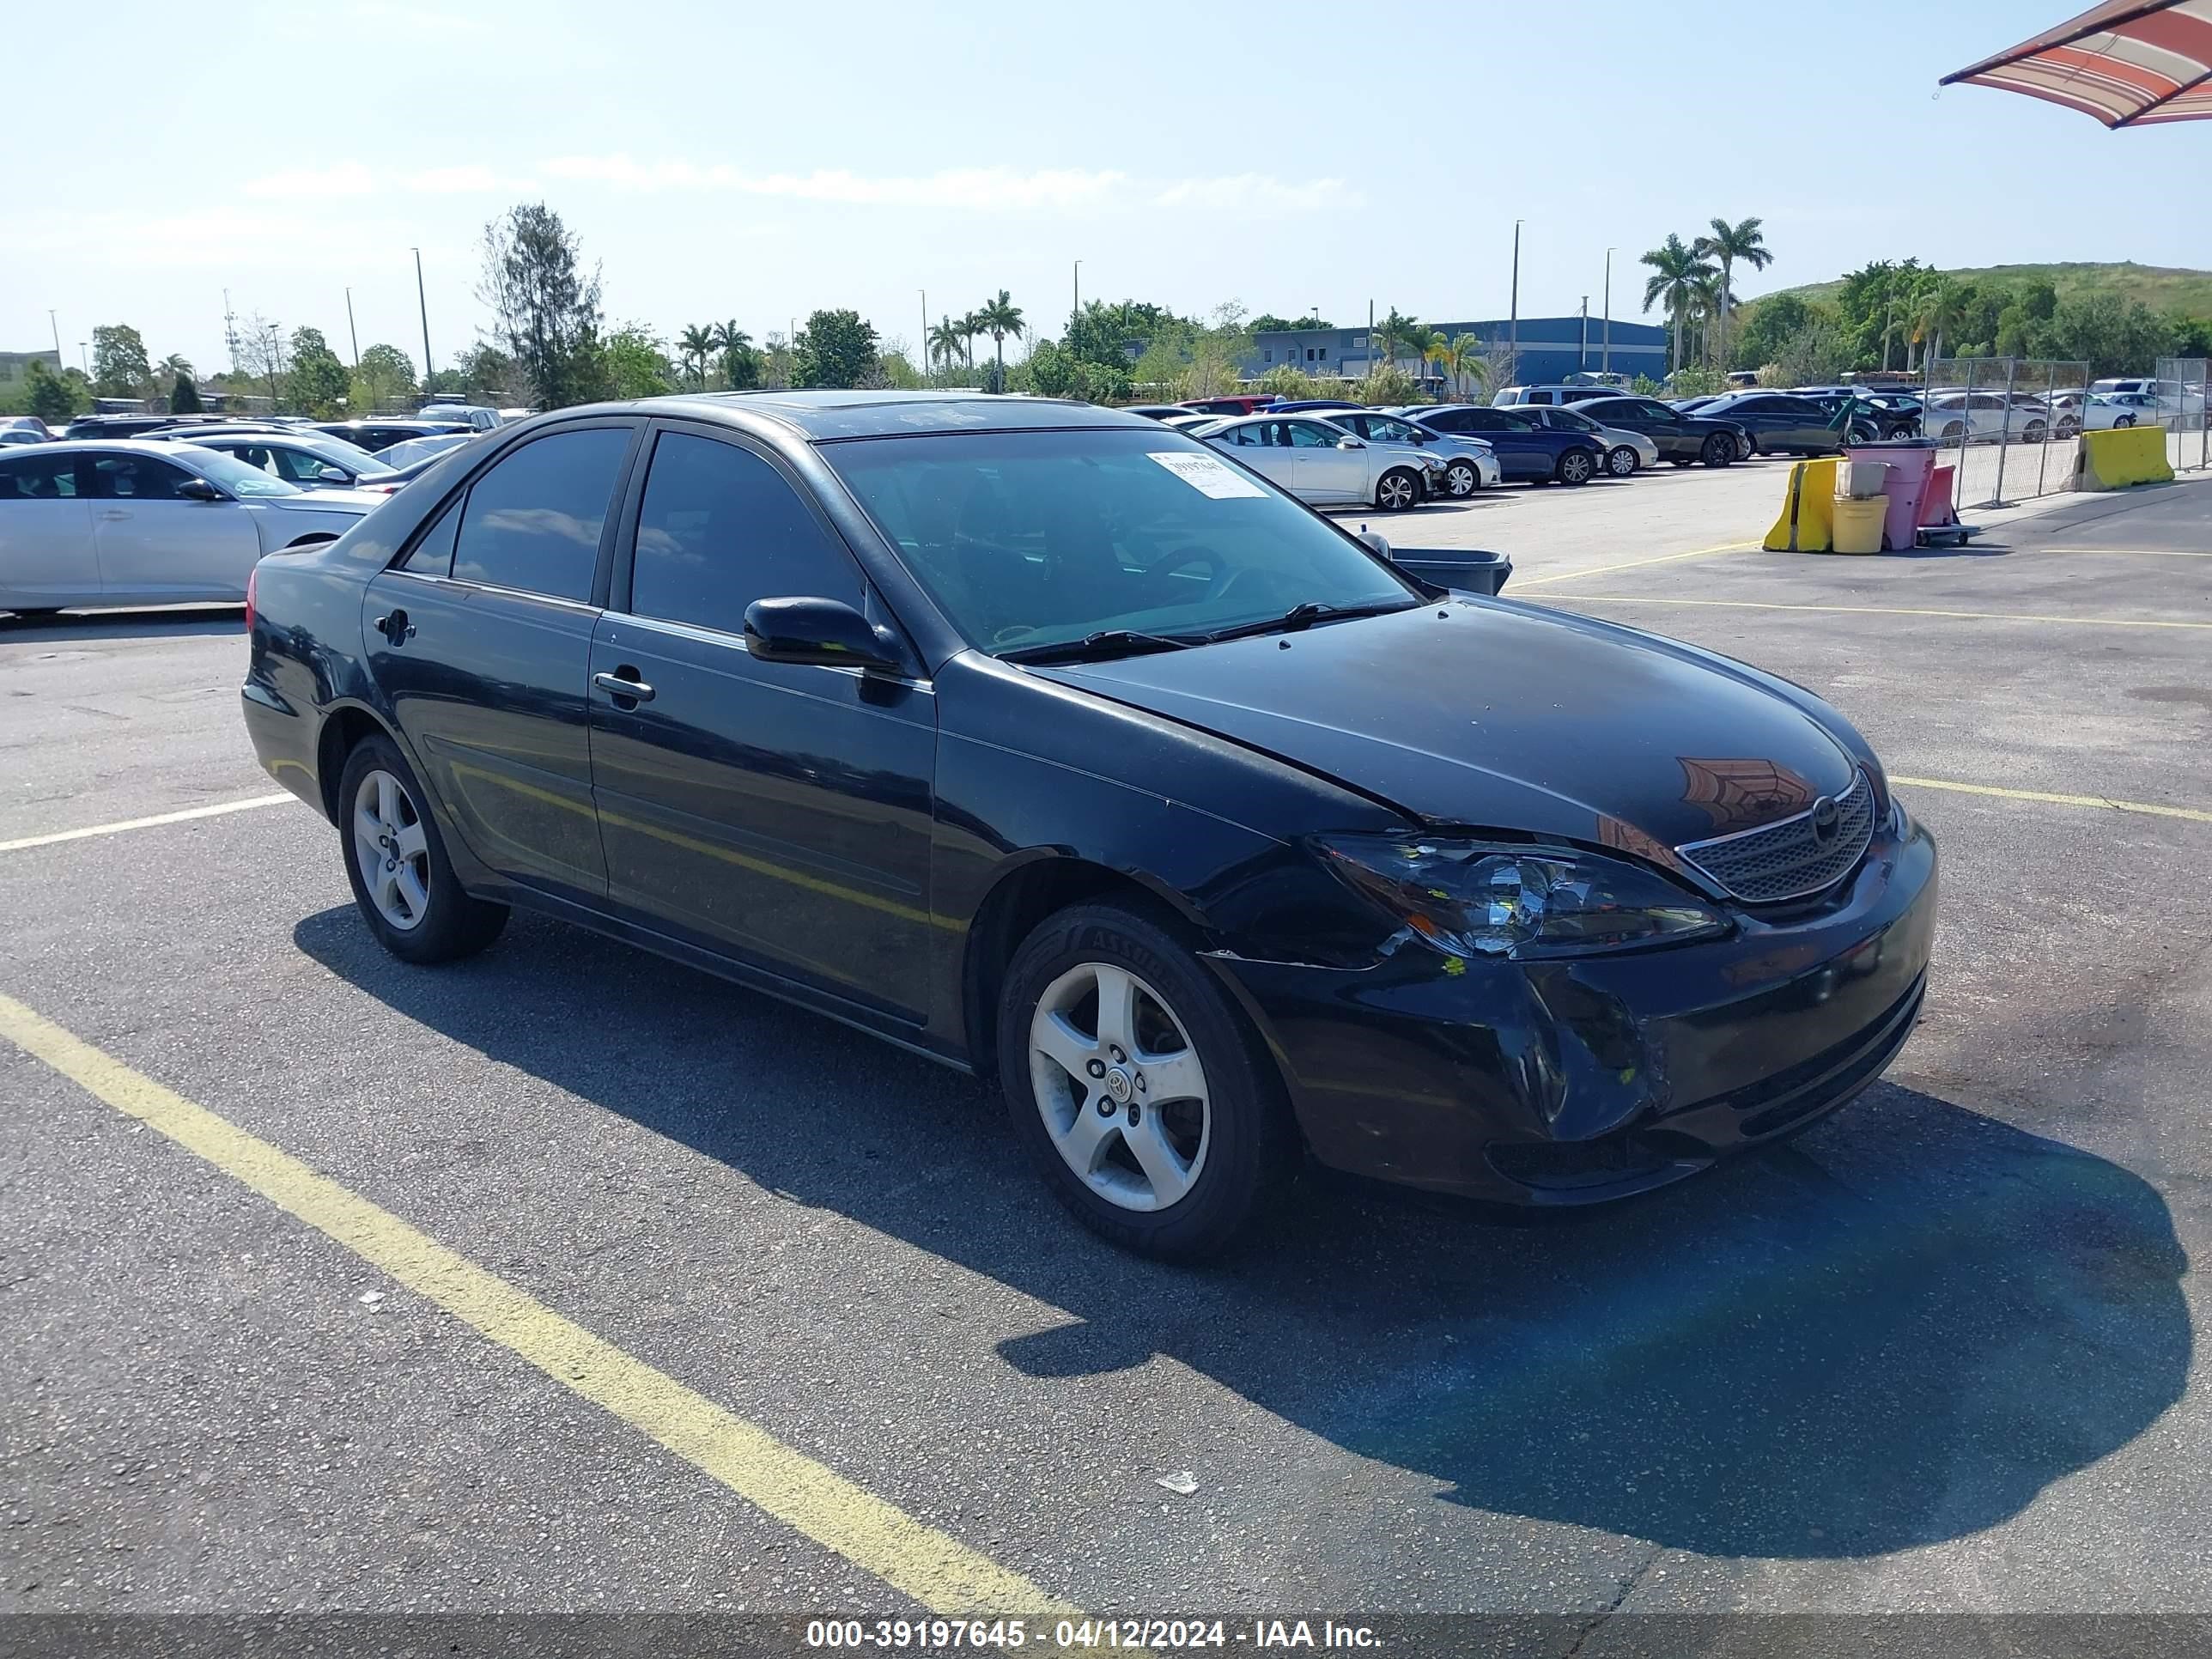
point(215, 811)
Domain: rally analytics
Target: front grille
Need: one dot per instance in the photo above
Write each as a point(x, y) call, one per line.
point(1796, 857)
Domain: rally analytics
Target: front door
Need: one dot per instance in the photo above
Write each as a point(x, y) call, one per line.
point(776, 813)
point(155, 547)
point(480, 636)
point(1326, 473)
point(1265, 446)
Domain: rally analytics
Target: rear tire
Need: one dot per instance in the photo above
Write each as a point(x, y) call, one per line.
point(1462, 479)
point(387, 832)
point(1719, 451)
point(1228, 1132)
point(2125, 420)
point(2036, 432)
point(1574, 467)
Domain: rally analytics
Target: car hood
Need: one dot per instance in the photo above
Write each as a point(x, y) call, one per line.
point(1492, 715)
point(326, 500)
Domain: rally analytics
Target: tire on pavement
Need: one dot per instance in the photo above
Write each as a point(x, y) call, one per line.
point(403, 882)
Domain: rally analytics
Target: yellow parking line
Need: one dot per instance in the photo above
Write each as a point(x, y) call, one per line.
point(930, 1566)
point(1632, 564)
point(214, 811)
point(2188, 812)
point(1877, 610)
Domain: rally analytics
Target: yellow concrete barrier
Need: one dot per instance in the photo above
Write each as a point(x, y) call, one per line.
point(2122, 456)
point(1807, 510)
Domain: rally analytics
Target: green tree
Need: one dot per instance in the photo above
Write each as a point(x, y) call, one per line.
point(1817, 353)
point(1000, 317)
point(119, 368)
point(1386, 384)
point(1938, 303)
point(694, 346)
point(1388, 337)
point(1268, 322)
point(546, 310)
point(319, 382)
point(2111, 335)
point(172, 366)
point(1729, 245)
point(1287, 382)
point(53, 397)
point(385, 379)
point(945, 343)
point(184, 397)
point(1764, 324)
point(2193, 337)
point(836, 349)
point(1677, 269)
point(636, 365)
point(740, 362)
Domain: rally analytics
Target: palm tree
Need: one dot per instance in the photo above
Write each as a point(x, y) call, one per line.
point(1728, 244)
point(695, 346)
point(1471, 364)
point(970, 326)
point(1425, 343)
point(999, 318)
point(1678, 268)
point(1390, 333)
point(945, 341)
point(1938, 303)
point(173, 366)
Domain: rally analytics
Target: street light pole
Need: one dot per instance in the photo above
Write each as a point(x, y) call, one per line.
point(1513, 314)
point(353, 333)
point(1077, 311)
point(1582, 351)
point(84, 356)
point(1606, 358)
point(423, 301)
point(56, 328)
point(925, 331)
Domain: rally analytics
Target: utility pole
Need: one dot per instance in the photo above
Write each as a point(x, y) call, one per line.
point(84, 356)
point(1513, 314)
point(276, 354)
point(925, 331)
point(1582, 352)
point(1606, 358)
point(421, 301)
point(56, 328)
point(1077, 311)
point(352, 333)
point(230, 331)
point(1370, 336)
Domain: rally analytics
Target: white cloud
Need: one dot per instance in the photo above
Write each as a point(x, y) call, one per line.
point(461, 181)
point(980, 190)
point(346, 179)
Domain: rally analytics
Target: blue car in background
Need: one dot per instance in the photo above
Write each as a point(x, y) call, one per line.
point(1313, 402)
point(1527, 453)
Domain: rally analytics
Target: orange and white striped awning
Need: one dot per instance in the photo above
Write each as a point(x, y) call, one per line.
point(2129, 62)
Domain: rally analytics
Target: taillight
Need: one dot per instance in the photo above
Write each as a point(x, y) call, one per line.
point(252, 577)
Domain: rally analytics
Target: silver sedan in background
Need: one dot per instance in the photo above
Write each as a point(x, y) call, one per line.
point(1325, 465)
point(1469, 464)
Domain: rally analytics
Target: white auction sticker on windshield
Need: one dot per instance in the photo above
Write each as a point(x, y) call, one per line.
point(1206, 475)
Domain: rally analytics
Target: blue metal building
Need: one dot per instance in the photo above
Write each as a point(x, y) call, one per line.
point(1547, 348)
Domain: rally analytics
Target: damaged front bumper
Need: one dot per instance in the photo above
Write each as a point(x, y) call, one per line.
point(1571, 1081)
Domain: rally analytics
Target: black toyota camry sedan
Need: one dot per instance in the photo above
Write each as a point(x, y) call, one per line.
point(1058, 747)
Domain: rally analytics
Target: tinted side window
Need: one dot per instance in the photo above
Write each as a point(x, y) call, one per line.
point(533, 521)
point(136, 477)
point(1311, 435)
point(37, 477)
point(433, 554)
point(719, 528)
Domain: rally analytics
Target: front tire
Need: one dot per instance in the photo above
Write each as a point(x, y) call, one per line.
point(403, 882)
point(1144, 1100)
point(1719, 451)
point(1574, 467)
point(1620, 461)
point(1397, 490)
point(2036, 432)
point(2125, 420)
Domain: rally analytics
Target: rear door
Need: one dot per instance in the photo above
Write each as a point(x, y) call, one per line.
point(480, 637)
point(46, 557)
point(155, 547)
point(776, 813)
point(1523, 449)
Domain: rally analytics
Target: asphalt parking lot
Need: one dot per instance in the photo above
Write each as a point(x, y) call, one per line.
point(1937, 1355)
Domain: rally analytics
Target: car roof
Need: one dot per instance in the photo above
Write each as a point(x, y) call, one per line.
point(817, 415)
point(166, 448)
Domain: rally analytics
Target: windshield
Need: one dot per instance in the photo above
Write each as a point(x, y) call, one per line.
point(234, 475)
point(1034, 538)
point(1573, 420)
point(352, 457)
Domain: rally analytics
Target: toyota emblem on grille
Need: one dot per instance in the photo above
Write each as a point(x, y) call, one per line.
point(1826, 818)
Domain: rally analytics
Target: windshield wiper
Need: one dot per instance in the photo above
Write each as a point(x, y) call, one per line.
point(1096, 648)
point(1300, 616)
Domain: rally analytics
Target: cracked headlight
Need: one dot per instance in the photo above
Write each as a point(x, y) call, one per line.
point(1473, 899)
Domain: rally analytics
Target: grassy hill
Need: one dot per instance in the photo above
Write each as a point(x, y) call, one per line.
point(2177, 292)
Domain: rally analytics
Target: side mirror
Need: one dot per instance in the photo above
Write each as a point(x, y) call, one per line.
point(333, 475)
point(199, 489)
point(1380, 548)
point(827, 633)
point(1350, 443)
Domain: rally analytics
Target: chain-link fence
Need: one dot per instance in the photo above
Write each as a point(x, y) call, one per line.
point(2183, 392)
point(2007, 425)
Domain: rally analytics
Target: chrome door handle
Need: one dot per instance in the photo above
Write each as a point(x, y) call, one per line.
point(616, 685)
point(115, 513)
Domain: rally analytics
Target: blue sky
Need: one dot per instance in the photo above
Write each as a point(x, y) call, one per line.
point(752, 162)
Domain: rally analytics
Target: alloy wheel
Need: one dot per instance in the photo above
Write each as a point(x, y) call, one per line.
point(1120, 1086)
point(1396, 492)
point(392, 850)
point(1574, 467)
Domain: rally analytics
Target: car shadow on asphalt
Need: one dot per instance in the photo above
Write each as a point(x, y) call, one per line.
point(1895, 1332)
point(165, 621)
